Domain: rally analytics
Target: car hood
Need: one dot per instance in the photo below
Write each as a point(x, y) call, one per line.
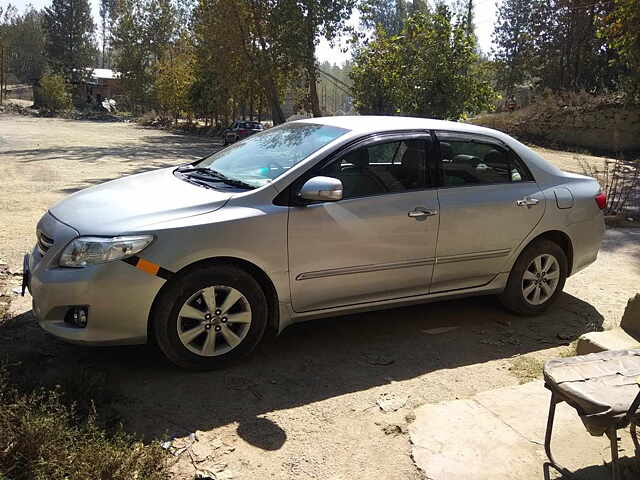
point(135, 202)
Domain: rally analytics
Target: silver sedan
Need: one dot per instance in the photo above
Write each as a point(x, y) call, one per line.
point(310, 219)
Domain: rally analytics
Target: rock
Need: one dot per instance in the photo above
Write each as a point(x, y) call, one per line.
point(390, 402)
point(393, 428)
point(630, 322)
point(439, 330)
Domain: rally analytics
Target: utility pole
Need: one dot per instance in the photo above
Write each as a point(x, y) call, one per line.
point(469, 18)
point(2, 79)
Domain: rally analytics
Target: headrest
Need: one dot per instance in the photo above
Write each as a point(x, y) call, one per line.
point(494, 156)
point(445, 150)
point(360, 158)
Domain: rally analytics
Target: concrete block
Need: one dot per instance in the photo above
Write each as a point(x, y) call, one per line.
point(499, 435)
point(615, 339)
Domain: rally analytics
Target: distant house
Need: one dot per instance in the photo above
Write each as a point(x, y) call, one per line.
point(104, 82)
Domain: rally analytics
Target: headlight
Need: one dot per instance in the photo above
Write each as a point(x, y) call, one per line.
point(85, 251)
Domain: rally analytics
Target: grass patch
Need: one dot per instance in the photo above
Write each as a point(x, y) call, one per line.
point(56, 433)
point(526, 368)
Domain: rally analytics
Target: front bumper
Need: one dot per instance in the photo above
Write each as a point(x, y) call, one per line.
point(118, 296)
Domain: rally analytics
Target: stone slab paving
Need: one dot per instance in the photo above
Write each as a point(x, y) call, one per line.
point(499, 435)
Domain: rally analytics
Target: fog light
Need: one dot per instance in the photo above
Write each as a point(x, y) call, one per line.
point(78, 316)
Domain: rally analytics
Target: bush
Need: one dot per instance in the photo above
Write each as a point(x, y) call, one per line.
point(52, 96)
point(42, 436)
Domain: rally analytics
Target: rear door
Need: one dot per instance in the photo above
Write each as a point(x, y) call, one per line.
point(379, 241)
point(489, 203)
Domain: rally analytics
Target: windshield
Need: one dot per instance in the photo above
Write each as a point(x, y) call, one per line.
point(259, 159)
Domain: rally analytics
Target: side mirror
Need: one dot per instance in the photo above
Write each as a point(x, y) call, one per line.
point(322, 189)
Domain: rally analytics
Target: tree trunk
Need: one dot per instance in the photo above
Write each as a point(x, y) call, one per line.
point(312, 73)
point(277, 115)
point(313, 90)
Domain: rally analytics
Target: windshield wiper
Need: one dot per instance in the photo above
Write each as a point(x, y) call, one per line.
point(205, 173)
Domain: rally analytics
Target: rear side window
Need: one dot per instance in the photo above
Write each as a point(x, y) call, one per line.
point(477, 163)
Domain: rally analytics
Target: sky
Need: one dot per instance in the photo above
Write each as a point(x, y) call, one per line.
point(484, 16)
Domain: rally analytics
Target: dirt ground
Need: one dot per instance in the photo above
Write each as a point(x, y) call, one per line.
point(329, 399)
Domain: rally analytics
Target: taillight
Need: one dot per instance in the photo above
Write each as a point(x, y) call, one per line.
point(601, 200)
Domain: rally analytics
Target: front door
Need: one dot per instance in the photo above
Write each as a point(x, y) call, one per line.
point(379, 241)
point(489, 203)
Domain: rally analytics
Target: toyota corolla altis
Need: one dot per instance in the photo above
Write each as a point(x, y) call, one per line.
point(310, 219)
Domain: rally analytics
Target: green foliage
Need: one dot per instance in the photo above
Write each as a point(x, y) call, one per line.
point(553, 44)
point(513, 43)
point(23, 37)
point(431, 69)
point(142, 32)
point(43, 436)
point(621, 30)
point(52, 95)
point(173, 79)
point(107, 14)
point(69, 39)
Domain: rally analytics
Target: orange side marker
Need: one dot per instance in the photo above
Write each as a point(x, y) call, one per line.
point(147, 266)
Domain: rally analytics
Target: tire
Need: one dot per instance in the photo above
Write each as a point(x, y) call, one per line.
point(187, 295)
point(519, 296)
point(225, 141)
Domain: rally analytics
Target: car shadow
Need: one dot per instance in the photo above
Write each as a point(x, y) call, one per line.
point(307, 363)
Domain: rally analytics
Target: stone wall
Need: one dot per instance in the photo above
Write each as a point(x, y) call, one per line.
point(596, 126)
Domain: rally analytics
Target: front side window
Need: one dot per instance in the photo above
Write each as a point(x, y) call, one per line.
point(473, 163)
point(262, 157)
point(381, 168)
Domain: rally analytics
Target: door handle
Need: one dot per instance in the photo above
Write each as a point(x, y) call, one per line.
point(527, 202)
point(419, 212)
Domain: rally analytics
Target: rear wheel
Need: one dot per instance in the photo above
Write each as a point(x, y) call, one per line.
point(536, 279)
point(210, 317)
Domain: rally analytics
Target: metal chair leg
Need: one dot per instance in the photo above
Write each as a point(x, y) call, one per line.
point(634, 437)
point(547, 437)
point(612, 433)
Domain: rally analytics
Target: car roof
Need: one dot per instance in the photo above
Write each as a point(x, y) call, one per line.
point(380, 123)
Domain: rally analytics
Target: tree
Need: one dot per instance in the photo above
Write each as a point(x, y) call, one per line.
point(173, 79)
point(620, 29)
point(430, 69)
point(23, 37)
point(301, 24)
point(388, 15)
point(51, 95)
point(107, 11)
point(69, 43)
point(513, 42)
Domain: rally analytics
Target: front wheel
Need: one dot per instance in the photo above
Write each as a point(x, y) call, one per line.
point(536, 279)
point(210, 317)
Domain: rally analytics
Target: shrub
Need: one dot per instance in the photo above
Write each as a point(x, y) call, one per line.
point(52, 95)
point(42, 436)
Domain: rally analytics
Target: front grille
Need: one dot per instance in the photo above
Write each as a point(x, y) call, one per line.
point(44, 242)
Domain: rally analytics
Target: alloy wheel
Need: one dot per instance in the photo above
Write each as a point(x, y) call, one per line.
point(214, 320)
point(540, 279)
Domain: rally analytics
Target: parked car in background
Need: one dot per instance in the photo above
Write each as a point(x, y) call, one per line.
point(239, 130)
point(310, 219)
